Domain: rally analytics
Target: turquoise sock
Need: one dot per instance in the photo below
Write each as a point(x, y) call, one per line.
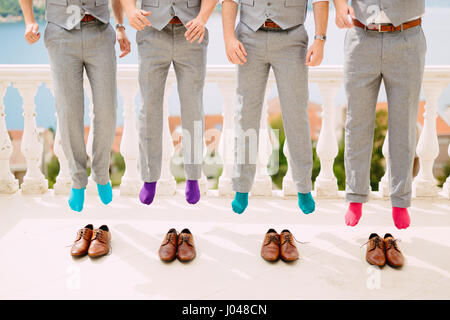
point(306, 202)
point(240, 202)
point(76, 199)
point(105, 192)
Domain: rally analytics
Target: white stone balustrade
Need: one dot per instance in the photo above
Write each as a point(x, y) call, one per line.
point(27, 78)
point(425, 185)
point(327, 146)
point(8, 184)
point(383, 186)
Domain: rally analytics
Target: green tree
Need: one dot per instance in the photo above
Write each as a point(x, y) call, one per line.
point(377, 168)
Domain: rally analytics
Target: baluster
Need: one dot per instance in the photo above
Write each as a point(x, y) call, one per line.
point(383, 185)
point(327, 147)
point(129, 146)
point(92, 185)
point(446, 187)
point(8, 183)
point(262, 185)
point(425, 185)
point(289, 188)
point(34, 181)
point(166, 184)
point(63, 180)
point(203, 182)
point(227, 89)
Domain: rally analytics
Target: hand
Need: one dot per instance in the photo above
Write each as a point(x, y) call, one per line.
point(32, 33)
point(342, 13)
point(137, 19)
point(235, 51)
point(314, 56)
point(124, 43)
point(195, 30)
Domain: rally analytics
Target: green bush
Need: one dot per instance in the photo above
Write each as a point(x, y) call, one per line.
point(377, 164)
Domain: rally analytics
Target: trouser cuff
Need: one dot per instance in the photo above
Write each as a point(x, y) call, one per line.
point(356, 198)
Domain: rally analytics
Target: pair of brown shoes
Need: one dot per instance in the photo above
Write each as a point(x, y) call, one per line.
point(276, 246)
point(93, 242)
point(382, 251)
point(180, 246)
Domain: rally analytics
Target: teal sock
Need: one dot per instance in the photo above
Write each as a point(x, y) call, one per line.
point(105, 192)
point(240, 202)
point(306, 202)
point(76, 199)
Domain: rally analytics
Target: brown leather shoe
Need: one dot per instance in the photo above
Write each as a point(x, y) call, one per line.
point(270, 250)
point(186, 248)
point(394, 256)
point(100, 243)
point(288, 249)
point(375, 251)
point(81, 244)
point(168, 249)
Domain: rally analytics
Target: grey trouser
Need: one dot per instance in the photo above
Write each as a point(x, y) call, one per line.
point(92, 48)
point(157, 51)
point(398, 59)
point(284, 51)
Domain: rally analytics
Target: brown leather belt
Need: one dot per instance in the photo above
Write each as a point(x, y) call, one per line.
point(269, 24)
point(175, 20)
point(87, 18)
point(388, 27)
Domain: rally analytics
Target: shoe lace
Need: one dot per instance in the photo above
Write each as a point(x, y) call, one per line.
point(376, 243)
point(272, 238)
point(98, 235)
point(80, 234)
point(185, 239)
point(289, 237)
point(168, 239)
point(392, 243)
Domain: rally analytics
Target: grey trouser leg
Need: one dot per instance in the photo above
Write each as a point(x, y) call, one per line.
point(285, 51)
point(157, 51)
point(397, 59)
point(90, 47)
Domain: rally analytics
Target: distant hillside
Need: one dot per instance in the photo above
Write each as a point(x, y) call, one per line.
point(10, 10)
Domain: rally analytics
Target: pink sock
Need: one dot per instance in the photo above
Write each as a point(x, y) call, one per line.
point(353, 214)
point(401, 217)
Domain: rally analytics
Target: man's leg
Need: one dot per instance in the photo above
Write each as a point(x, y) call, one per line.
point(362, 80)
point(65, 53)
point(403, 66)
point(251, 87)
point(287, 57)
point(100, 63)
point(190, 68)
point(155, 56)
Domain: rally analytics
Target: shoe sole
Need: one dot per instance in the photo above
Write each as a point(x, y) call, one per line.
point(167, 260)
point(79, 255)
point(271, 260)
point(287, 260)
point(183, 261)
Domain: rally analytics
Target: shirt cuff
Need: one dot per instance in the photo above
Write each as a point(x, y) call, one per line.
point(314, 1)
point(237, 1)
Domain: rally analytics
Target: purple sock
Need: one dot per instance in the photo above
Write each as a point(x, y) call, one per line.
point(147, 193)
point(192, 191)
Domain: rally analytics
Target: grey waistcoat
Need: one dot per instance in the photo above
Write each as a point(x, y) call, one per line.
point(398, 11)
point(164, 10)
point(67, 13)
point(285, 13)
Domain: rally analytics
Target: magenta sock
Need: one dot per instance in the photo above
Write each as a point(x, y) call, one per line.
point(401, 217)
point(353, 214)
point(192, 191)
point(147, 193)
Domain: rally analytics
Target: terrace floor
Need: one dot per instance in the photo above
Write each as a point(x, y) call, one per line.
point(36, 230)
